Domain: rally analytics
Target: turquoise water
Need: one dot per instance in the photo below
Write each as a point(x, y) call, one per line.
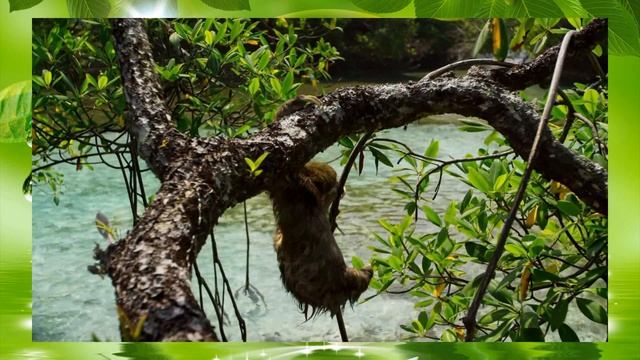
point(70, 304)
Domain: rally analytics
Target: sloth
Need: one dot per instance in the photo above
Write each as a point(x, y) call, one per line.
point(311, 264)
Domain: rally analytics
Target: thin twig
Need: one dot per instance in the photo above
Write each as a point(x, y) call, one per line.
point(580, 271)
point(596, 65)
point(570, 116)
point(573, 241)
point(335, 205)
point(216, 259)
point(66, 160)
point(445, 163)
point(604, 150)
point(203, 282)
point(470, 319)
point(341, 327)
point(379, 139)
point(136, 167)
point(246, 230)
point(126, 183)
point(465, 63)
point(217, 303)
point(335, 209)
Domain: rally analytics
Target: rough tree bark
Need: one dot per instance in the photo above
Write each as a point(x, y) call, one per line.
point(150, 268)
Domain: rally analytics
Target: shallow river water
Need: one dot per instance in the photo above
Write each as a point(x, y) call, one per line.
point(70, 304)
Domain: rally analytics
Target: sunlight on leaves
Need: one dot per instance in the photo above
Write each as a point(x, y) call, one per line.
point(229, 4)
point(623, 27)
point(377, 6)
point(89, 8)
point(15, 5)
point(15, 111)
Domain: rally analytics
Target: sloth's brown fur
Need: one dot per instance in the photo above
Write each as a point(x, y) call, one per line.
point(311, 263)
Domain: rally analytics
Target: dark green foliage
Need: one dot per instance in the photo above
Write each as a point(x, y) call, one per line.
point(555, 256)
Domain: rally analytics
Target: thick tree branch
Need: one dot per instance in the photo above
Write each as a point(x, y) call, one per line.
point(295, 139)
point(151, 267)
point(148, 121)
point(540, 69)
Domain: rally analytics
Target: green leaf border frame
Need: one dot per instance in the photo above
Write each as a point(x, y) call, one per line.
point(624, 249)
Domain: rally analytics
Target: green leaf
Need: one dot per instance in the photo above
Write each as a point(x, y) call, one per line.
point(423, 318)
point(387, 226)
point(357, 262)
point(91, 80)
point(450, 216)
point(432, 149)
point(533, 334)
point(572, 8)
point(15, 5)
point(15, 111)
point(536, 8)
point(432, 215)
point(443, 236)
point(47, 77)
point(493, 316)
point(623, 27)
point(208, 37)
point(530, 330)
point(476, 250)
point(395, 263)
point(213, 63)
point(254, 86)
point(568, 208)
point(541, 275)
point(516, 249)
point(381, 157)
point(517, 8)
point(466, 200)
point(567, 334)
point(558, 314)
point(378, 6)
point(300, 61)
point(597, 50)
point(473, 126)
point(500, 181)
point(346, 142)
point(482, 38)
point(275, 84)
point(591, 98)
point(518, 37)
point(89, 8)
point(407, 328)
point(252, 165)
point(592, 310)
point(102, 81)
point(498, 333)
point(536, 248)
point(495, 8)
point(228, 4)
point(449, 336)
point(287, 83)
point(602, 292)
point(260, 159)
point(447, 8)
point(633, 7)
point(478, 180)
point(508, 279)
point(404, 224)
